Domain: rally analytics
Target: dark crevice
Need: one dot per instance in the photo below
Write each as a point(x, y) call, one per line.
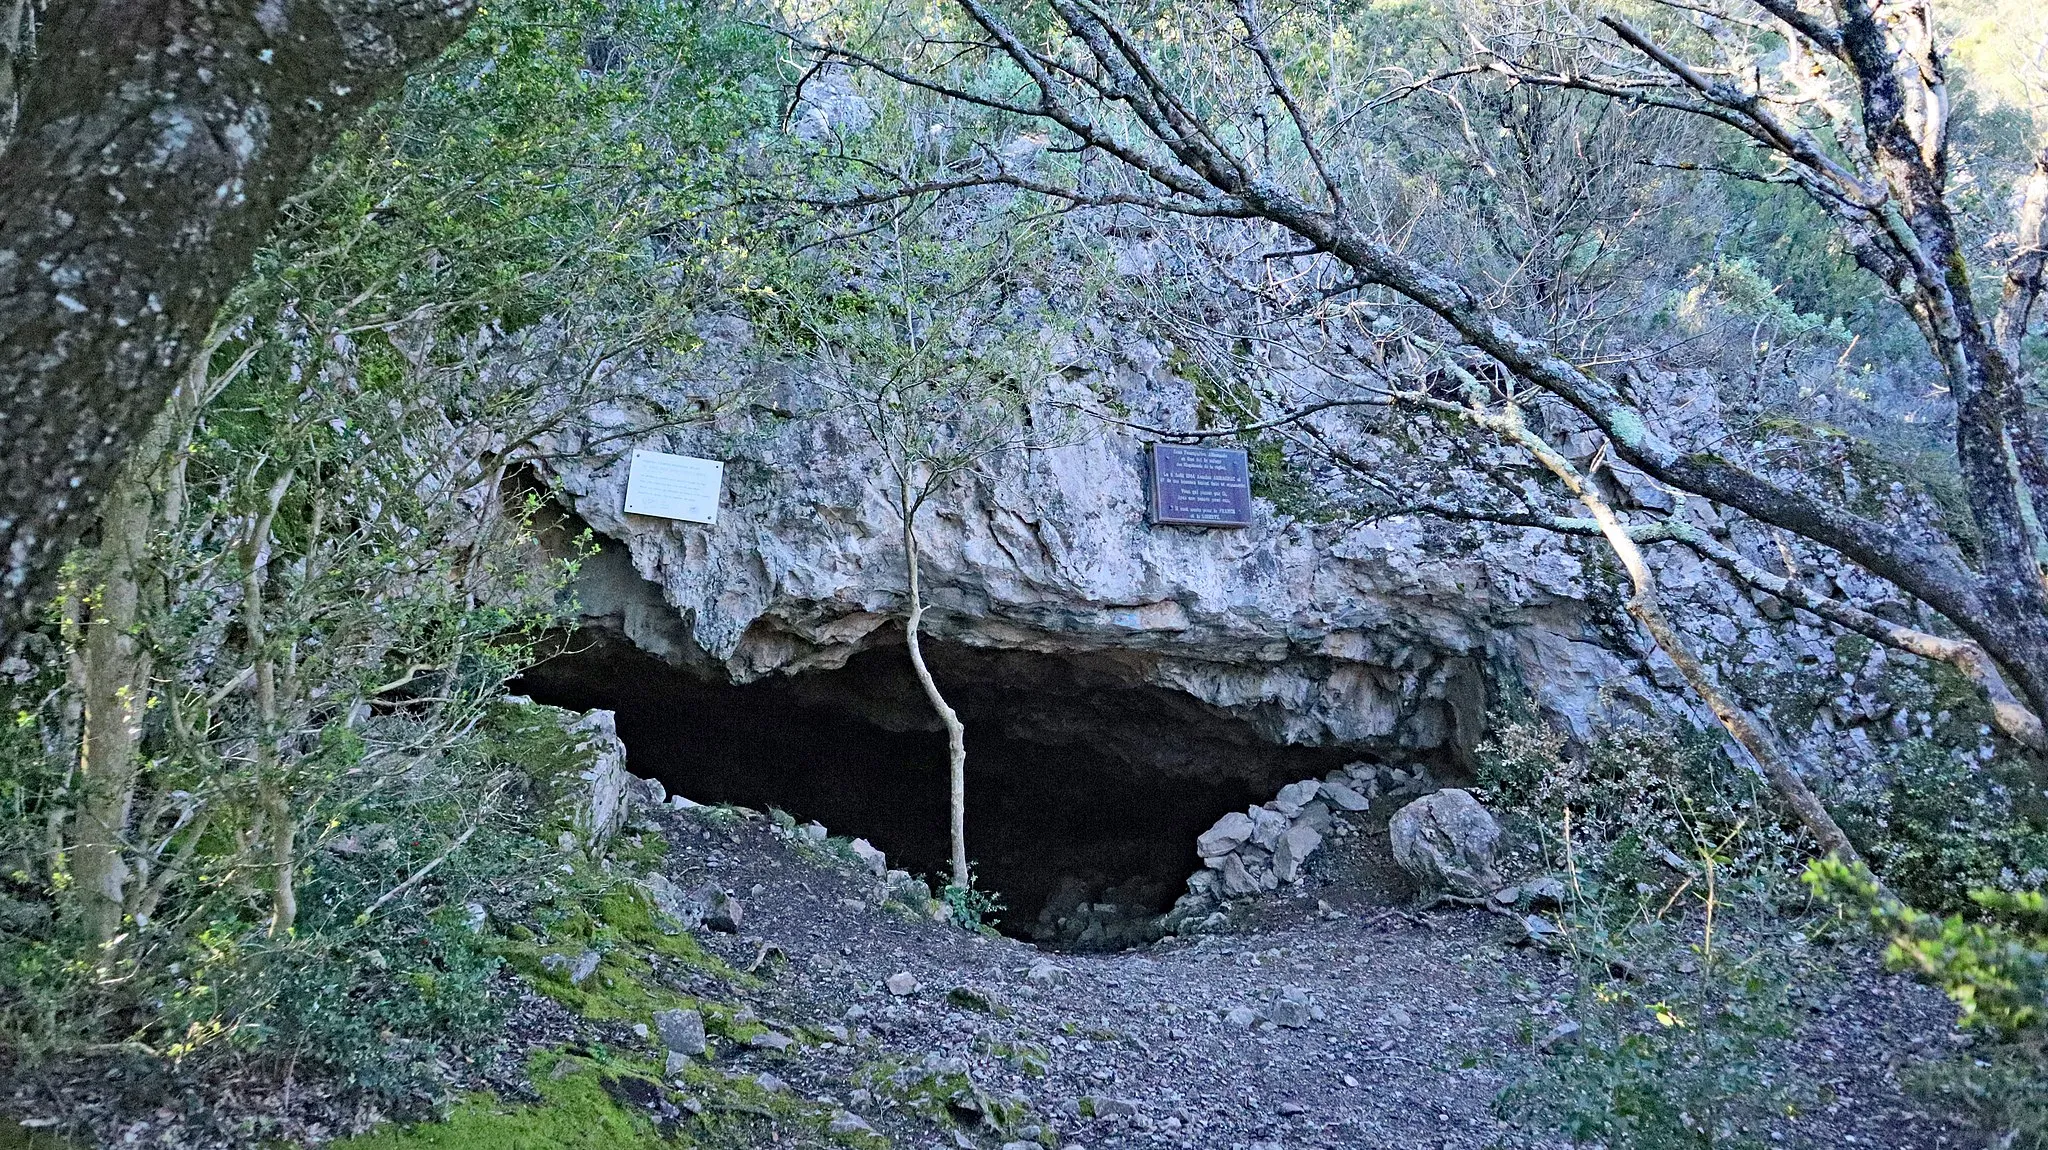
point(1082, 783)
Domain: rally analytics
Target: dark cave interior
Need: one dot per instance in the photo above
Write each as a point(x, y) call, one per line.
point(1081, 779)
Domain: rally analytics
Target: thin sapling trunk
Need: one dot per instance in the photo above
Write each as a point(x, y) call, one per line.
point(956, 732)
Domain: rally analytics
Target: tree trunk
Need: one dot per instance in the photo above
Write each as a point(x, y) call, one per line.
point(1644, 605)
point(114, 664)
point(956, 731)
point(155, 144)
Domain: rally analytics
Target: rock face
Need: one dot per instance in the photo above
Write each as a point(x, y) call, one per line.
point(1381, 637)
point(1446, 841)
point(1388, 637)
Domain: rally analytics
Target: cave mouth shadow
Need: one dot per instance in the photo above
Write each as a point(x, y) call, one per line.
point(1084, 786)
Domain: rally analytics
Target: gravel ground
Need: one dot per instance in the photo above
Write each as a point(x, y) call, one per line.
point(1410, 1024)
point(1418, 1019)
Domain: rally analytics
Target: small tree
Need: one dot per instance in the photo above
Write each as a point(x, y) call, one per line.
point(896, 358)
point(307, 589)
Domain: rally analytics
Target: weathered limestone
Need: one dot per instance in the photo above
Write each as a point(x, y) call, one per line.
point(1379, 637)
point(1446, 842)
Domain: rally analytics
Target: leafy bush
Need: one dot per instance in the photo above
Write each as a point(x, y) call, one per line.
point(1939, 828)
point(1674, 1027)
point(972, 908)
point(1995, 968)
point(1677, 866)
point(1637, 797)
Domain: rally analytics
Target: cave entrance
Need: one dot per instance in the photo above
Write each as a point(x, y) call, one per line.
point(1084, 785)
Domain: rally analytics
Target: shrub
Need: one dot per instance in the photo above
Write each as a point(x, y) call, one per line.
point(1995, 967)
point(1674, 1026)
point(1939, 827)
point(1638, 797)
point(972, 908)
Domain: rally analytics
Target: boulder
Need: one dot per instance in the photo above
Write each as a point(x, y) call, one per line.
point(845, 1123)
point(670, 899)
point(603, 794)
point(1046, 972)
point(1293, 849)
point(908, 889)
point(722, 912)
point(1295, 796)
point(577, 969)
point(1268, 825)
point(872, 856)
point(646, 792)
point(1237, 881)
point(681, 1031)
point(1446, 842)
point(1344, 798)
point(1230, 832)
point(1293, 1008)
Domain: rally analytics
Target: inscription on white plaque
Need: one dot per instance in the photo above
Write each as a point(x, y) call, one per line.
point(674, 486)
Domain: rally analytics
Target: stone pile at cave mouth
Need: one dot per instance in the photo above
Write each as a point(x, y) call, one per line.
point(1086, 832)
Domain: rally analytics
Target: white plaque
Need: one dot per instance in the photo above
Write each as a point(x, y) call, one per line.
point(674, 486)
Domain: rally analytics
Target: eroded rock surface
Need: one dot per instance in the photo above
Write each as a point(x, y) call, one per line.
point(1379, 636)
point(1387, 637)
point(1447, 842)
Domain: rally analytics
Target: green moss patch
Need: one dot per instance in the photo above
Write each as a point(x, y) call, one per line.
point(624, 929)
point(601, 1102)
point(946, 1095)
point(575, 1112)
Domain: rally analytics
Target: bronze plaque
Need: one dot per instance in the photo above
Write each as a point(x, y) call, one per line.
point(1201, 486)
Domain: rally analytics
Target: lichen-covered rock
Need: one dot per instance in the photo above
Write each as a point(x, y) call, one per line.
point(1446, 842)
point(604, 802)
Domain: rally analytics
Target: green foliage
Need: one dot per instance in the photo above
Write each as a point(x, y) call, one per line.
point(971, 908)
point(1676, 1019)
point(548, 163)
point(1995, 968)
point(1675, 1063)
point(1996, 971)
point(390, 1002)
point(341, 572)
point(388, 1010)
point(1939, 827)
point(1636, 797)
point(1677, 871)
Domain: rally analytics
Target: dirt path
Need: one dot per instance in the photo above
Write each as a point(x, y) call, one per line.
point(1410, 1024)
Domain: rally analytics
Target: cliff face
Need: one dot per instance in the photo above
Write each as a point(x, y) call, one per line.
point(1389, 638)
